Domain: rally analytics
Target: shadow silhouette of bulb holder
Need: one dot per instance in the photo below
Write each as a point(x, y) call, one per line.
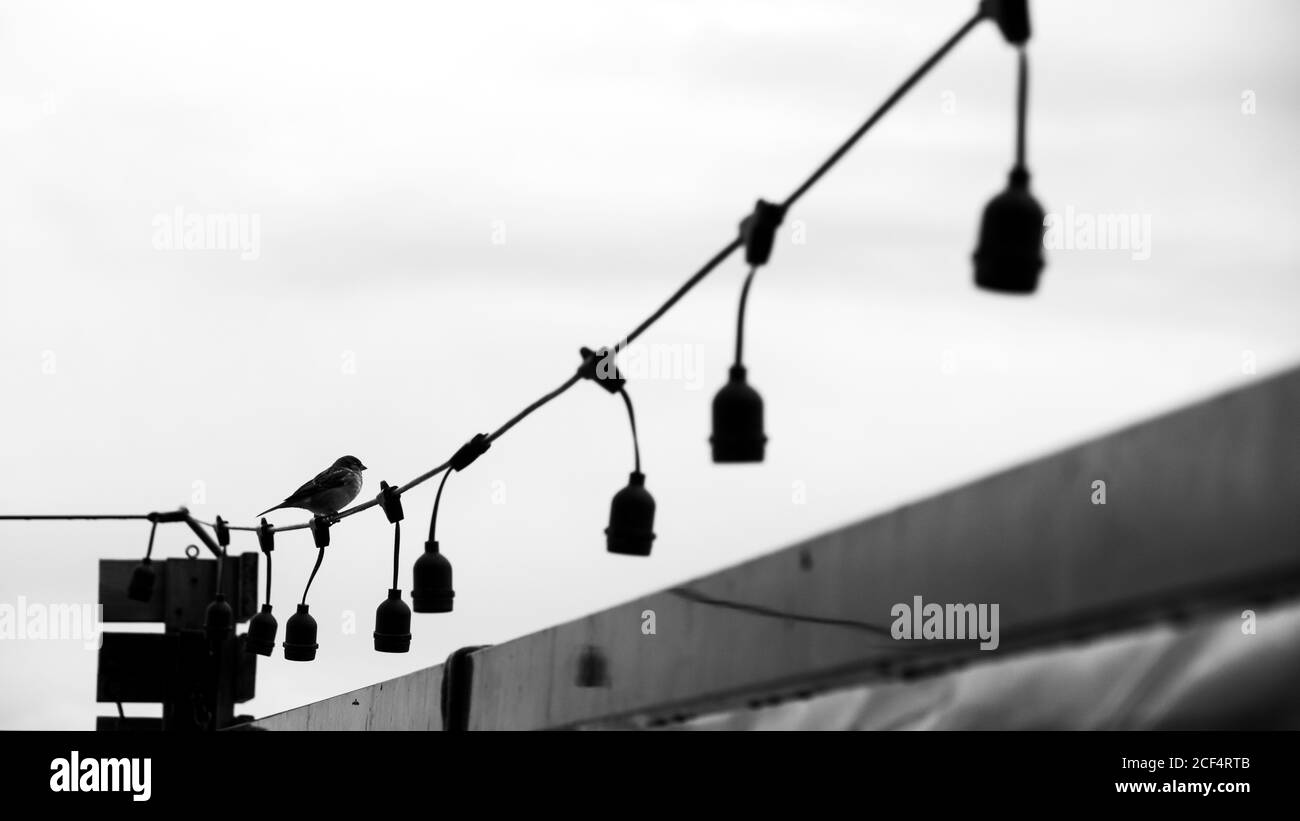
point(300, 636)
point(1009, 256)
point(218, 619)
point(431, 590)
point(142, 581)
point(738, 421)
point(631, 519)
point(393, 624)
point(260, 638)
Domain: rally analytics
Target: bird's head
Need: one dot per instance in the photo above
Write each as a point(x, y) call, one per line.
point(350, 462)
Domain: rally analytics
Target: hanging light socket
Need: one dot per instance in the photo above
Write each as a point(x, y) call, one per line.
point(431, 590)
point(1009, 256)
point(260, 638)
point(631, 519)
point(738, 421)
point(142, 581)
point(593, 669)
point(300, 636)
point(218, 619)
point(393, 624)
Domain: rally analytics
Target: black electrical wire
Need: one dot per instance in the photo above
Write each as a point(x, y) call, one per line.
point(526, 412)
point(884, 108)
point(221, 565)
point(397, 549)
point(717, 260)
point(148, 553)
point(740, 318)
point(16, 517)
point(268, 578)
point(1022, 107)
point(320, 556)
point(770, 612)
point(685, 288)
point(631, 418)
point(433, 519)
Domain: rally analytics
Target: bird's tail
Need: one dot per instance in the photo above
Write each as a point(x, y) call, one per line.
point(269, 509)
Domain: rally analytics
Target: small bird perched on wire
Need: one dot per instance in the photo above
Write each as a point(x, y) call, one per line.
point(330, 491)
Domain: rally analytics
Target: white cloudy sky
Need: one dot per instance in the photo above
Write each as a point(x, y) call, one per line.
point(618, 144)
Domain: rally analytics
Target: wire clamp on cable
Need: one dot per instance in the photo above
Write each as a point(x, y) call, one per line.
point(470, 451)
point(169, 516)
point(758, 231)
point(1012, 17)
point(320, 531)
point(600, 367)
point(266, 536)
point(391, 501)
point(223, 532)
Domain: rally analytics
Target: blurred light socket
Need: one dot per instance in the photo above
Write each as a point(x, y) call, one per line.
point(142, 581)
point(260, 638)
point(631, 519)
point(1009, 256)
point(738, 421)
point(218, 619)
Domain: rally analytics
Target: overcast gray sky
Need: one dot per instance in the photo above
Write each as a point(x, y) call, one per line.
point(452, 198)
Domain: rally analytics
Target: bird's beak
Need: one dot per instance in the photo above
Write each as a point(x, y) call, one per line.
point(363, 467)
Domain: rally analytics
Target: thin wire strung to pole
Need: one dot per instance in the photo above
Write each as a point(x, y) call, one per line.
point(148, 552)
point(631, 418)
point(71, 518)
point(879, 631)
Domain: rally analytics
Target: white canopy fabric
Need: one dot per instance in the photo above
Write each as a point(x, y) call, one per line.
point(1209, 675)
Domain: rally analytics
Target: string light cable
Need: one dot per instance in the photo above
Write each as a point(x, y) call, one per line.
point(1006, 240)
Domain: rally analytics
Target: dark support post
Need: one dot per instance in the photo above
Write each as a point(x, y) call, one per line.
point(197, 683)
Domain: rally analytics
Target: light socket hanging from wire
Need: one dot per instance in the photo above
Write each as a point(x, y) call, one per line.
point(143, 577)
point(431, 580)
point(262, 628)
point(738, 434)
point(632, 510)
point(1009, 256)
point(300, 631)
point(392, 617)
point(219, 618)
